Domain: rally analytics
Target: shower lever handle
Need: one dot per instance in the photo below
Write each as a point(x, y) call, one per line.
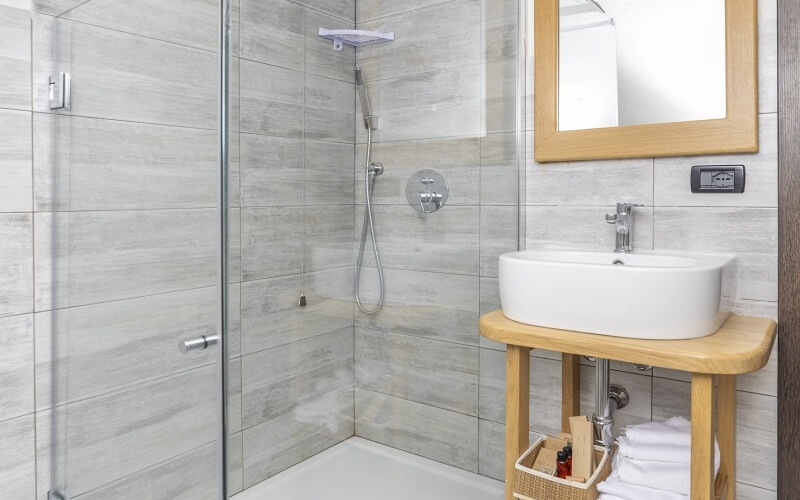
point(197, 343)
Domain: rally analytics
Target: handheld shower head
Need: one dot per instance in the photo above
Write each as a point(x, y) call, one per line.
point(370, 120)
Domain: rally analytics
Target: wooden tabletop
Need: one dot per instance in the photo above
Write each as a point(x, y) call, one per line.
point(741, 345)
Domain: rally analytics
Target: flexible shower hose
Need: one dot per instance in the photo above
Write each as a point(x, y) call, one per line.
point(369, 182)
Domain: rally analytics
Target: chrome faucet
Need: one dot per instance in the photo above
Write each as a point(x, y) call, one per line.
point(623, 220)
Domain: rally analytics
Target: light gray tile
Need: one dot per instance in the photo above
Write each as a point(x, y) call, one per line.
point(446, 241)
point(603, 182)
point(328, 237)
point(235, 395)
point(761, 187)
point(16, 366)
point(43, 61)
point(271, 316)
point(271, 171)
point(284, 441)
point(18, 462)
point(499, 173)
point(16, 160)
point(282, 379)
point(193, 23)
point(191, 476)
point(423, 304)
point(499, 29)
point(55, 7)
point(370, 9)
point(749, 233)
point(767, 56)
point(43, 163)
point(328, 173)
point(490, 301)
point(423, 42)
point(272, 32)
point(500, 112)
point(444, 103)
point(272, 242)
point(15, 58)
point(329, 109)
point(582, 228)
point(747, 492)
point(236, 457)
point(271, 100)
point(435, 373)
point(320, 58)
point(180, 416)
point(434, 433)
point(16, 264)
point(120, 165)
point(344, 9)
point(492, 451)
point(458, 159)
point(498, 235)
point(123, 254)
point(133, 78)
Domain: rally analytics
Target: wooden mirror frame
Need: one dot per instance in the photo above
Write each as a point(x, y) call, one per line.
point(736, 133)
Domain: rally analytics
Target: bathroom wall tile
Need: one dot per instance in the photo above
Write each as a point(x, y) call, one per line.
point(490, 301)
point(284, 441)
point(15, 58)
point(500, 112)
point(444, 103)
point(123, 254)
point(191, 476)
point(279, 380)
point(492, 448)
point(329, 109)
point(271, 171)
point(433, 46)
point(132, 78)
point(371, 9)
point(458, 159)
point(117, 165)
point(767, 56)
point(54, 7)
point(272, 32)
point(180, 416)
point(328, 173)
point(16, 264)
point(754, 242)
point(582, 228)
point(271, 316)
point(271, 242)
point(328, 237)
point(747, 492)
point(499, 26)
point(192, 23)
point(756, 428)
point(43, 449)
point(43, 165)
point(498, 236)
point(236, 457)
point(271, 100)
point(601, 182)
point(43, 61)
point(43, 376)
point(343, 9)
point(435, 373)
point(672, 174)
point(17, 462)
point(16, 366)
point(499, 173)
point(16, 160)
point(430, 305)
point(434, 433)
point(320, 58)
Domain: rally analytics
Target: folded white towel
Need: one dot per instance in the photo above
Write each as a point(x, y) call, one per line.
point(617, 489)
point(659, 475)
point(659, 452)
point(676, 431)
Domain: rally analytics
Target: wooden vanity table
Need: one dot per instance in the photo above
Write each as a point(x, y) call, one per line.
point(741, 345)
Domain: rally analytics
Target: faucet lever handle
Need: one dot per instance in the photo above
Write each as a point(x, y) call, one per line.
point(625, 208)
point(611, 218)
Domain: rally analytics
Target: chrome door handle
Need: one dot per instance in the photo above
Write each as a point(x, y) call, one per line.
point(197, 343)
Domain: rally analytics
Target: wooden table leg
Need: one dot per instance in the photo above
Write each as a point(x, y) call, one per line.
point(702, 487)
point(726, 429)
point(518, 366)
point(570, 388)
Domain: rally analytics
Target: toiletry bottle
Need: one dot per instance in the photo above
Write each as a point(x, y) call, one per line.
point(562, 470)
point(568, 451)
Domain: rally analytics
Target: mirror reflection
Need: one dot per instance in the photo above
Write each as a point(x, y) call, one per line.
point(636, 62)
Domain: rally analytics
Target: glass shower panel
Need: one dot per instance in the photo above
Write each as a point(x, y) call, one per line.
point(136, 235)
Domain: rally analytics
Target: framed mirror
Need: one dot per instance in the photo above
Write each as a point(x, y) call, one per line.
point(600, 92)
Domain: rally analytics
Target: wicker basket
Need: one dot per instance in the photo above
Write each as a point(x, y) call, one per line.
point(533, 485)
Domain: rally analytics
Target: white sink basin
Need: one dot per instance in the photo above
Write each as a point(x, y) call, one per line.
point(638, 295)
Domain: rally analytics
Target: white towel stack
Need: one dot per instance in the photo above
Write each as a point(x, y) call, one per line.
point(653, 461)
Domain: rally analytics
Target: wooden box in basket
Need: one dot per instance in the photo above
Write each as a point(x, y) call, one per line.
point(533, 485)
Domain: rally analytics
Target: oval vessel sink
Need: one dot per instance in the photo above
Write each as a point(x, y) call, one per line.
point(637, 295)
